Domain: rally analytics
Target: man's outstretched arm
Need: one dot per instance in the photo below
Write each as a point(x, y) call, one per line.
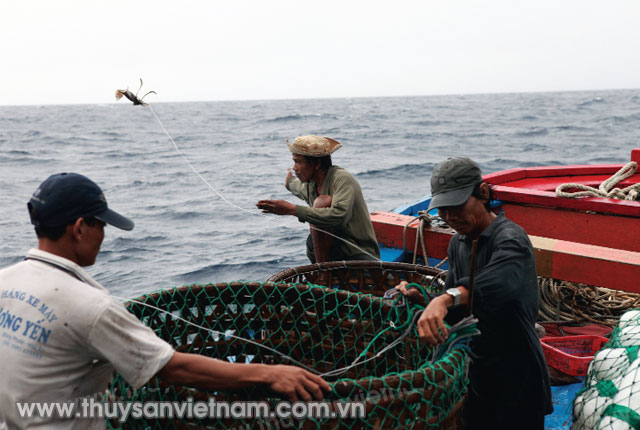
point(203, 372)
point(282, 207)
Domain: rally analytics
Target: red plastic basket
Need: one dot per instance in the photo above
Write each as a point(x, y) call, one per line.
point(571, 354)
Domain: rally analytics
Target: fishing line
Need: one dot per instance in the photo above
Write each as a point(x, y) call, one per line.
point(196, 171)
point(348, 242)
point(331, 373)
point(218, 333)
point(390, 346)
point(241, 208)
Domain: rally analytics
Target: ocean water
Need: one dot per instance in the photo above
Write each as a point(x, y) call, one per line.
point(186, 233)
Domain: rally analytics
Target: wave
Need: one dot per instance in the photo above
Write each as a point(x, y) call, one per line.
point(297, 117)
point(536, 131)
point(529, 118)
point(120, 154)
point(124, 241)
point(617, 119)
point(529, 147)
point(595, 100)
point(30, 159)
point(418, 135)
point(427, 123)
point(181, 216)
point(333, 130)
point(228, 272)
point(403, 169)
point(477, 135)
point(128, 255)
point(569, 128)
point(604, 160)
point(509, 163)
point(107, 134)
point(150, 183)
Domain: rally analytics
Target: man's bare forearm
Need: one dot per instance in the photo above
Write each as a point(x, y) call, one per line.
point(203, 372)
point(208, 373)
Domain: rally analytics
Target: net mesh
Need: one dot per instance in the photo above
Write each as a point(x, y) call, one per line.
point(610, 398)
point(403, 387)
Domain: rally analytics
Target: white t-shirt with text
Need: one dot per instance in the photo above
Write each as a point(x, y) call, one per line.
point(61, 337)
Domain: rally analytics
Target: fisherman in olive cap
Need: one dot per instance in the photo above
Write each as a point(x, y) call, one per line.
point(335, 200)
point(509, 382)
point(62, 335)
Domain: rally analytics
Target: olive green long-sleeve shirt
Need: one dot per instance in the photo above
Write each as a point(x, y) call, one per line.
point(348, 216)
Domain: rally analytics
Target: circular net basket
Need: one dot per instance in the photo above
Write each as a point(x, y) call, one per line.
point(323, 329)
point(371, 277)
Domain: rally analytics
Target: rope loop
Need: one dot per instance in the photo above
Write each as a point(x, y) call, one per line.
point(606, 188)
point(425, 222)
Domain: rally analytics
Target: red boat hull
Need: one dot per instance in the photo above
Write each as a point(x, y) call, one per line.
point(529, 199)
point(590, 240)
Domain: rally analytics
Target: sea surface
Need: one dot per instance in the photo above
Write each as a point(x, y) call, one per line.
point(191, 231)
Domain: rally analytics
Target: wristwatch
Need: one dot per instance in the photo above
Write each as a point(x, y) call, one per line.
point(455, 293)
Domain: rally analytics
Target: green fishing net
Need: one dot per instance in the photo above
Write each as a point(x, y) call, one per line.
point(367, 348)
point(610, 399)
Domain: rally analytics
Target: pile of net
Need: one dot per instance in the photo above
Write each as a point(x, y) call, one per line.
point(366, 348)
point(610, 399)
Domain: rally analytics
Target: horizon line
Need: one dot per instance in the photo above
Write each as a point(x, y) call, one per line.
point(330, 98)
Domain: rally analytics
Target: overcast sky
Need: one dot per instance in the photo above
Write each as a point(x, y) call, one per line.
point(67, 51)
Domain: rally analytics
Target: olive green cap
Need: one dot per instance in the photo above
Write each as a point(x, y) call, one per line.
point(452, 182)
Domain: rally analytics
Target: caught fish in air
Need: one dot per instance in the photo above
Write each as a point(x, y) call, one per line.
point(133, 98)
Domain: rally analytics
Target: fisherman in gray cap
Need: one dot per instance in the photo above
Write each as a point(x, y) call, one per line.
point(336, 205)
point(509, 381)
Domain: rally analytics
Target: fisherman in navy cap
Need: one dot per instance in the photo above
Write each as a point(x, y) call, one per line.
point(509, 382)
point(62, 335)
point(335, 203)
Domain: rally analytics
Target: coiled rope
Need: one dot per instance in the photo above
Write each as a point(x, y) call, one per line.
point(606, 189)
point(564, 301)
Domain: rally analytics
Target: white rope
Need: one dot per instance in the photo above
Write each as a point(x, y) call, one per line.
point(219, 333)
point(331, 373)
point(606, 188)
point(425, 221)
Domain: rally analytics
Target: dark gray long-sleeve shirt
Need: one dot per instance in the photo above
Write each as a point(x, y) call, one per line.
point(510, 370)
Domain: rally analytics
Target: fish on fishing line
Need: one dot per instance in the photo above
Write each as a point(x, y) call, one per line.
point(133, 97)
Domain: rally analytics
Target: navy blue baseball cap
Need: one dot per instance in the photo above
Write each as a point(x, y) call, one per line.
point(64, 197)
